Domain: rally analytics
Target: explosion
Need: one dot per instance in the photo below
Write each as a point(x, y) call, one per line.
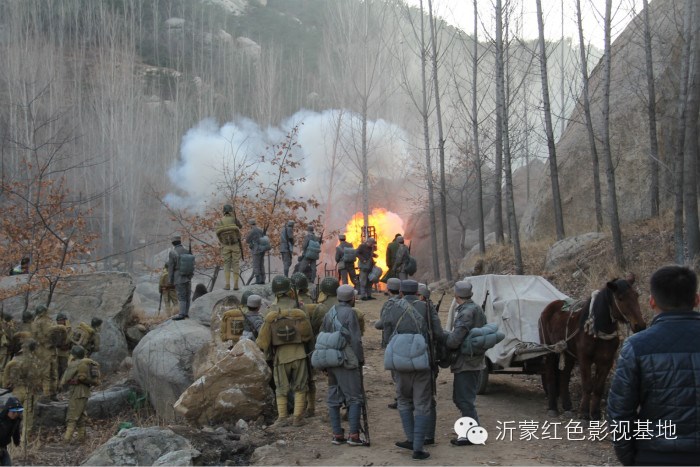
point(386, 224)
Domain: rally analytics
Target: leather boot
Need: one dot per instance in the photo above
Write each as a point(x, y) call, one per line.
point(282, 414)
point(81, 434)
point(70, 428)
point(299, 402)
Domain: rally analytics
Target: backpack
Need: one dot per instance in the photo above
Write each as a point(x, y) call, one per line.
point(407, 352)
point(375, 274)
point(328, 351)
point(264, 244)
point(92, 372)
point(58, 336)
point(411, 266)
point(349, 255)
point(81, 335)
point(232, 325)
point(229, 235)
point(185, 264)
point(286, 329)
point(313, 250)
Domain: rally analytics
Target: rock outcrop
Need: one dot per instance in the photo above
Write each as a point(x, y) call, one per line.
point(144, 446)
point(567, 249)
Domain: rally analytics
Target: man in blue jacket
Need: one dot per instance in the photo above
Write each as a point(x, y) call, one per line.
point(653, 402)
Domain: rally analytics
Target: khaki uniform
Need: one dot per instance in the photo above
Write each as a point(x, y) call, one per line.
point(46, 353)
point(7, 335)
point(63, 351)
point(230, 254)
point(22, 376)
point(79, 380)
point(89, 338)
point(168, 292)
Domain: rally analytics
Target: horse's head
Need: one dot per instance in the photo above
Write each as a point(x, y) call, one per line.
point(626, 307)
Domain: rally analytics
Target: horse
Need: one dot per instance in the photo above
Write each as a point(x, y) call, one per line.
point(588, 333)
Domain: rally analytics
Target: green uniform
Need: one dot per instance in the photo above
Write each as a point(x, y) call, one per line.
point(22, 376)
point(46, 353)
point(79, 380)
point(230, 254)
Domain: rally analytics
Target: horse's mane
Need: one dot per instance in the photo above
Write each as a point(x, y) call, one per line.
point(601, 308)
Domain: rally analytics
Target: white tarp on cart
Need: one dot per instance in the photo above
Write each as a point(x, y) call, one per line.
point(515, 304)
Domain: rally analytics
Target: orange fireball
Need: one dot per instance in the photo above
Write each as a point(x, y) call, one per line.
point(386, 224)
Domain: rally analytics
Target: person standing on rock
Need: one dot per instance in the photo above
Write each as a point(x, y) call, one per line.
point(366, 255)
point(345, 382)
point(287, 246)
point(393, 286)
point(256, 250)
point(180, 275)
point(467, 368)
point(10, 428)
point(81, 374)
point(228, 231)
point(345, 257)
point(167, 291)
point(283, 336)
point(401, 258)
point(46, 352)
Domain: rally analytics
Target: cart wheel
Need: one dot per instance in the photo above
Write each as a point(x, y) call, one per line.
point(483, 380)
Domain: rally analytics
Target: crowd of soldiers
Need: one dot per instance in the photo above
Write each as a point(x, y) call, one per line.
point(40, 357)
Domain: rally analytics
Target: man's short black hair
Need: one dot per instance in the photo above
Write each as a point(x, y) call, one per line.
point(674, 288)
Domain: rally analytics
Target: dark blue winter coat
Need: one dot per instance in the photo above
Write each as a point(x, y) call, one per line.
point(657, 380)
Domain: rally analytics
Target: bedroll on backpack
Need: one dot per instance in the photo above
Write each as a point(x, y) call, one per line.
point(313, 250)
point(232, 325)
point(264, 244)
point(185, 264)
point(411, 266)
point(375, 274)
point(81, 335)
point(349, 255)
point(285, 331)
point(228, 235)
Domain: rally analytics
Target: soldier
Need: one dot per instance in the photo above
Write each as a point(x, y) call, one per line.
point(228, 231)
point(27, 320)
point(413, 388)
point(10, 428)
point(7, 337)
point(22, 376)
point(287, 246)
point(466, 368)
point(326, 300)
point(253, 240)
point(345, 382)
point(253, 319)
point(167, 291)
point(46, 351)
point(79, 376)
point(179, 277)
point(300, 284)
point(310, 250)
point(63, 349)
point(400, 261)
point(389, 258)
point(393, 286)
point(366, 255)
point(284, 333)
point(345, 257)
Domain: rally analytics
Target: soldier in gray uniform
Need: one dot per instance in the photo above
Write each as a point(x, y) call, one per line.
point(183, 284)
point(466, 368)
point(287, 246)
point(346, 269)
point(393, 286)
point(344, 382)
point(258, 256)
point(401, 259)
point(366, 255)
point(308, 266)
point(413, 388)
point(253, 319)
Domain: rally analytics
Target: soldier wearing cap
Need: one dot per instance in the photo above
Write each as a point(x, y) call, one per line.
point(287, 246)
point(182, 283)
point(63, 351)
point(46, 352)
point(229, 234)
point(22, 376)
point(345, 382)
point(253, 319)
point(393, 286)
point(466, 368)
point(366, 255)
point(346, 269)
point(253, 240)
point(10, 428)
point(401, 258)
point(308, 266)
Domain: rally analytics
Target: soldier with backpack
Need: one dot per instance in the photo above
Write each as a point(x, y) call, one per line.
point(22, 376)
point(87, 336)
point(181, 270)
point(282, 337)
point(229, 234)
point(81, 374)
point(258, 248)
point(345, 257)
point(61, 332)
point(287, 246)
point(46, 351)
point(401, 258)
point(310, 253)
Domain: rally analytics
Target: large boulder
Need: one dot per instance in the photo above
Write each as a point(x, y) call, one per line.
point(142, 446)
point(101, 405)
point(163, 362)
point(567, 249)
point(235, 387)
point(104, 294)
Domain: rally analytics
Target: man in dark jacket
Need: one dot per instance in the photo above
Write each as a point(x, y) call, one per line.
point(10, 431)
point(182, 283)
point(346, 269)
point(366, 255)
point(653, 401)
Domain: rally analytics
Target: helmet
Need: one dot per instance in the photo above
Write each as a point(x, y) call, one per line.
point(329, 285)
point(228, 209)
point(78, 351)
point(300, 281)
point(29, 344)
point(40, 310)
point(280, 285)
point(27, 316)
point(12, 404)
point(244, 297)
point(61, 316)
point(96, 322)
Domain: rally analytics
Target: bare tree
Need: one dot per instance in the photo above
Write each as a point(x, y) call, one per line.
point(475, 132)
point(651, 112)
point(692, 227)
point(498, 181)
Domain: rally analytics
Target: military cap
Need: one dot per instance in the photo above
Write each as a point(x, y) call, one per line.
point(40, 310)
point(176, 238)
point(252, 222)
point(244, 297)
point(463, 289)
point(393, 284)
point(409, 286)
point(399, 239)
point(345, 293)
point(341, 237)
point(424, 291)
point(310, 228)
point(290, 223)
point(254, 301)
point(228, 208)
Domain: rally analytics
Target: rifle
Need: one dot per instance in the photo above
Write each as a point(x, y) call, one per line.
point(214, 276)
point(160, 301)
point(365, 422)
point(437, 307)
point(483, 304)
point(431, 354)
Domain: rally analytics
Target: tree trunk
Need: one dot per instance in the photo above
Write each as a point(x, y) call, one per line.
point(510, 202)
point(609, 167)
point(441, 148)
point(651, 111)
point(475, 129)
point(553, 170)
point(692, 229)
point(498, 169)
point(428, 162)
point(589, 123)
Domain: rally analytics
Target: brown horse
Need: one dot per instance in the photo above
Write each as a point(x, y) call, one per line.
point(588, 334)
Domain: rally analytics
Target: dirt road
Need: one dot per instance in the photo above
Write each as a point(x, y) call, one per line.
point(512, 401)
